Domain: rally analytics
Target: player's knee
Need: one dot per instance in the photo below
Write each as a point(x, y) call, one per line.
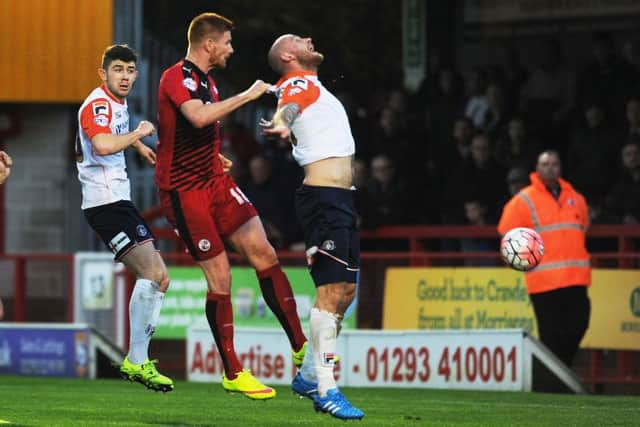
point(220, 283)
point(263, 256)
point(164, 283)
point(160, 276)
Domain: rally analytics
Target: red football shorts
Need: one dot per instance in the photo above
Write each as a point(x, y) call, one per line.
point(203, 218)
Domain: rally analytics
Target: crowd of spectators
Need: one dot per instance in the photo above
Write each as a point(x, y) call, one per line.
point(456, 150)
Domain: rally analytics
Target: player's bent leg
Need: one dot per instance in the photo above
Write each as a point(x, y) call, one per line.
point(245, 383)
point(251, 241)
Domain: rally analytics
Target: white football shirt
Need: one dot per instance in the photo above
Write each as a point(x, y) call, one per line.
point(104, 178)
point(322, 129)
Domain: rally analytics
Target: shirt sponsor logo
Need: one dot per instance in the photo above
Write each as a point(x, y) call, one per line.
point(190, 84)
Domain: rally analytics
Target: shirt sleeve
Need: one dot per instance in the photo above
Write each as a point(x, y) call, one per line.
point(178, 88)
point(299, 91)
point(95, 117)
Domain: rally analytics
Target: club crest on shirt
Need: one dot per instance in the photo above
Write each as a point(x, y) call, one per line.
point(190, 84)
point(204, 245)
point(100, 108)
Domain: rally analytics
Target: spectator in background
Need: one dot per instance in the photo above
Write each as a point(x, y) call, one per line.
point(558, 286)
point(496, 118)
point(476, 214)
point(592, 151)
point(624, 198)
point(5, 170)
point(443, 109)
point(263, 192)
point(361, 182)
point(477, 104)
point(457, 153)
point(633, 119)
point(387, 134)
point(517, 179)
point(483, 176)
point(608, 78)
point(515, 76)
point(631, 53)
point(517, 147)
point(548, 98)
point(388, 195)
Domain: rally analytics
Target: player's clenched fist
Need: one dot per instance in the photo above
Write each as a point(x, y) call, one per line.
point(145, 128)
point(5, 166)
point(257, 89)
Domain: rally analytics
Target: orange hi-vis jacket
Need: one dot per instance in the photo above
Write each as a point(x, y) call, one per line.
point(562, 224)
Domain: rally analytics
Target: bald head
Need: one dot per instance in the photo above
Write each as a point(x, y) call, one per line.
point(291, 52)
point(278, 48)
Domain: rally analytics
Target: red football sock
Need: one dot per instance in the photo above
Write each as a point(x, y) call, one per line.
point(278, 295)
point(220, 317)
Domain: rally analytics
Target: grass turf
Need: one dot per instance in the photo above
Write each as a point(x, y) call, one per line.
point(32, 401)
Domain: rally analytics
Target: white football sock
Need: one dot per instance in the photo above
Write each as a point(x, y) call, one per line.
point(308, 369)
point(323, 335)
point(144, 311)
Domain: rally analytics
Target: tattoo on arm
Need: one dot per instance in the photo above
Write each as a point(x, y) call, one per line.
point(288, 114)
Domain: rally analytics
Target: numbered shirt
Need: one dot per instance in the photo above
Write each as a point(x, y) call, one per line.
point(103, 178)
point(322, 129)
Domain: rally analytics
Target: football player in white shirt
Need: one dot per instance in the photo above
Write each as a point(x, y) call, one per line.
point(318, 127)
point(103, 134)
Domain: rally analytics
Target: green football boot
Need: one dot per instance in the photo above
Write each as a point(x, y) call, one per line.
point(146, 374)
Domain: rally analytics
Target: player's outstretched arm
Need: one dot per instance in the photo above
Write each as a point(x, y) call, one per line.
point(201, 115)
point(108, 143)
point(280, 125)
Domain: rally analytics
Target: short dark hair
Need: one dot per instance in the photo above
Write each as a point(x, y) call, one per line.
point(206, 23)
point(118, 51)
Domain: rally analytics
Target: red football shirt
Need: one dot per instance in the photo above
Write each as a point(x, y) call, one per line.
point(187, 156)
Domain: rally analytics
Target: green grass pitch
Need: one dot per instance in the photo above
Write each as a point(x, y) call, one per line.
point(32, 401)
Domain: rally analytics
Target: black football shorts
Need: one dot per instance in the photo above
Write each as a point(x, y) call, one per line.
point(328, 218)
point(119, 225)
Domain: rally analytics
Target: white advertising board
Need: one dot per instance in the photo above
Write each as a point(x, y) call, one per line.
point(468, 360)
